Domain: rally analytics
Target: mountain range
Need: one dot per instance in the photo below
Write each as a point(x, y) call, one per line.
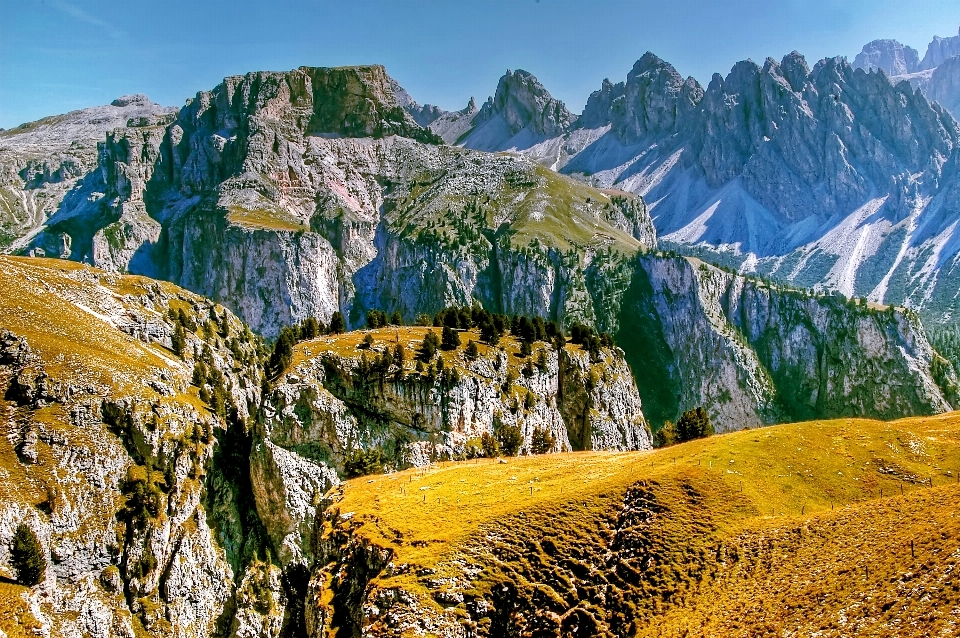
point(840, 177)
point(196, 356)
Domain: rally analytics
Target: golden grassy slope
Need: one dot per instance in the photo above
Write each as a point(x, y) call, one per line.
point(775, 531)
point(53, 304)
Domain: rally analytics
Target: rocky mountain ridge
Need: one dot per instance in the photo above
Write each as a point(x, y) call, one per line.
point(172, 497)
point(808, 175)
point(41, 162)
point(279, 196)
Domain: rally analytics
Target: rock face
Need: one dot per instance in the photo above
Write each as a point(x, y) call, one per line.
point(655, 100)
point(939, 51)
point(520, 113)
point(944, 85)
point(819, 177)
point(286, 195)
point(753, 354)
point(336, 400)
point(889, 56)
point(40, 162)
point(290, 195)
point(120, 469)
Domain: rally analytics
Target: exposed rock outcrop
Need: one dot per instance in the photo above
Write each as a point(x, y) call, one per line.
point(889, 56)
point(752, 354)
point(522, 112)
point(42, 161)
point(115, 452)
point(339, 399)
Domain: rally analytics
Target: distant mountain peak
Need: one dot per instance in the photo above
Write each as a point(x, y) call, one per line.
point(890, 56)
point(653, 100)
point(524, 103)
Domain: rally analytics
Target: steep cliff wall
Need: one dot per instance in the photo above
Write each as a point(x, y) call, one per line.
point(108, 453)
point(753, 353)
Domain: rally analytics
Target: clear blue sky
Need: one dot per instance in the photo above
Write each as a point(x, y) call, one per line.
point(59, 55)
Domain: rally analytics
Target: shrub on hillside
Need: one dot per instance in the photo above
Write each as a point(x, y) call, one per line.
point(472, 352)
point(694, 424)
point(363, 462)
point(27, 557)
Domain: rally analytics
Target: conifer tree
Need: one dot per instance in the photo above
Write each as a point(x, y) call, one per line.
point(337, 324)
point(450, 340)
point(472, 351)
point(26, 556)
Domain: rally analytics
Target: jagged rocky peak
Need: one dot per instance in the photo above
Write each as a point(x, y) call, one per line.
point(890, 56)
point(655, 99)
point(944, 86)
point(358, 101)
point(523, 102)
point(939, 51)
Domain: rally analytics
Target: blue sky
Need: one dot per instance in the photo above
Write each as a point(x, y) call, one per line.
point(59, 55)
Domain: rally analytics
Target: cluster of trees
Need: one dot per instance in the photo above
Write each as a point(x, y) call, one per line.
point(362, 462)
point(946, 341)
point(592, 342)
point(494, 326)
point(692, 424)
point(290, 336)
point(378, 319)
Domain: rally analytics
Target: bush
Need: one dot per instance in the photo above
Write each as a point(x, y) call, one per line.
point(449, 340)
point(363, 462)
point(489, 333)
point(367, 342)
point(542, 441)
point(27, 556)
point(510, 439)
point(282, 355)
point(694, 424)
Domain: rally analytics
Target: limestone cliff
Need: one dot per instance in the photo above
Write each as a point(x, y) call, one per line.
point(753, 353)
point(41, 162)
point(338, 398)
point(111, 457)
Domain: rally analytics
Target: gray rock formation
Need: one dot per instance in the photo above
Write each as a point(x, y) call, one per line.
point(305, 209)
point(121, 471)
point(520, 114)
point(773, 355)
point(42, 161)
point(944, 85)
point(453, 125)
point(332, 403)
point(939, 51)
point(654, 101)
point(261, 197)
point(889, 56)
point(819, 177)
